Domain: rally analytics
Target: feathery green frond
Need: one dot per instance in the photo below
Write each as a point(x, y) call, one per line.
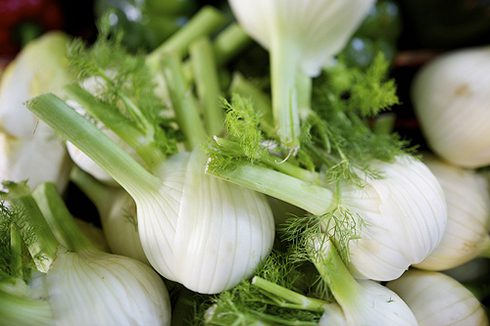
point(123, 82)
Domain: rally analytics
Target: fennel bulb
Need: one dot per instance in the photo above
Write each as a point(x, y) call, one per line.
point(451, 99)
point(90, 287)
point(302, 37)
point(468, 201)
point(437, 299)
point(374, 304)
point(403, 218)
point(358, 302)
point(195, 229)
point(40, 67)
point(29, 149)
point(384, 225)
point(211, 234)
point(117, 212)
point(84, 285)
point(120, 227)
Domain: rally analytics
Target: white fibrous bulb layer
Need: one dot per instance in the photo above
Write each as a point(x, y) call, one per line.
point(29, 149)
point(468, 201)
point(403, 217)
point(121, 228)
point(437, 299)
point(200, 231)
point(452, 102)
point(373, 305)
point(94, 288)
point(41, 67)
point(313, 31)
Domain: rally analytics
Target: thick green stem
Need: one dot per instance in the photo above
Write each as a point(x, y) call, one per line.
point(90, 140)
point(59, 218)
point(142, 143)
point(298, 300)
point(184, 103)
point(333, 271)
point(208, 87)
point(20, 310)
point(261, 101)
point(284, 69)
point(207, 21)
point(101, 195)
point(304, 89)
point(292, 170)
point(312, 198)
point(229, 43)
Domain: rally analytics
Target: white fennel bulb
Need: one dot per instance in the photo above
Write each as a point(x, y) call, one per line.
point(83, 285)
point(90, 287)
point(313, 30)
point(29, 149)
point(195, 229)
point(201, 231)
point(117, 212)
point(41, 67)
point(403, 216)
point(452, 102)
point(358, 302)
point(302, 37)
point(468, 201)
point(437, 299)
point(374, 304)
point(120, 227)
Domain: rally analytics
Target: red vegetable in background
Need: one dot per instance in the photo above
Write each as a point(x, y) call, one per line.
point(23, 20)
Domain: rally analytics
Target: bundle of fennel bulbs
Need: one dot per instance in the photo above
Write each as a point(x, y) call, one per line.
point(244, 173)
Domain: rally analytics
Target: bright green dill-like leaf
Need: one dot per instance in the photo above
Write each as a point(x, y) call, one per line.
point(5, 252)
point(341, 139)
point(13, 258)
point(247, 304)
point(299, 231)
point(244, 138)
point(339, 225)
point(242, 125)
point(280, 268)
point(371, 92)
